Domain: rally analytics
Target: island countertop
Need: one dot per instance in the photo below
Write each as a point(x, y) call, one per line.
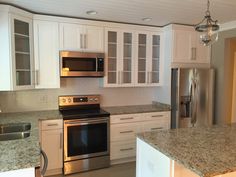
point(208, 151)
point(23, 153)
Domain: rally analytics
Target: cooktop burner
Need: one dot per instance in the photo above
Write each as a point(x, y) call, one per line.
point(79, 107)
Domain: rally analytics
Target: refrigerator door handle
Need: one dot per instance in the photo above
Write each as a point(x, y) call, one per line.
point(193, 99)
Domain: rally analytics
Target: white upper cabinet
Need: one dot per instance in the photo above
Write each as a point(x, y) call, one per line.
point(133, 58)
point(186, 47)
point(120, 58)
point(46, 52)
point(16, 51)
point(81, 37)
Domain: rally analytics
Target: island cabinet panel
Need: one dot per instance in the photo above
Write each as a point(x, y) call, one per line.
point(150, 162)
point(26, 172)
point(52, 145)
point(124, 129)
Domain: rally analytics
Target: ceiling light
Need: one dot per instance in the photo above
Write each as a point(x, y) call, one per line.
point(91, 12)
point(147, 19)
point(208, 28)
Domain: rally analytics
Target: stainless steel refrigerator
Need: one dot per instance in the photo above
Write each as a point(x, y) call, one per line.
point(192, 96)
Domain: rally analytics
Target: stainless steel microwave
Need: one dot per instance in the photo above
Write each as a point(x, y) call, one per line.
point(81, 64)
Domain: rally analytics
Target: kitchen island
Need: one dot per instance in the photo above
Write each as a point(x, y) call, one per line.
point(187, 152)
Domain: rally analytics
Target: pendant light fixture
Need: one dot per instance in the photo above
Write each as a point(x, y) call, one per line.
point(208, 28)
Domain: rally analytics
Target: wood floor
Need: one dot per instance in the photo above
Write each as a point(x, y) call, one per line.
point(121, 170)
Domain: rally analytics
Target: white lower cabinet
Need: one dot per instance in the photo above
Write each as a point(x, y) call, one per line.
point(52, 145)
point(124, 129)
point(26, 172)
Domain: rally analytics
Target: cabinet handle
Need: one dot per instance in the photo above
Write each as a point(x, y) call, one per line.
point(157, 116)
point(121, 77)
point(85, 41)
point(37, 77)
point(157, 128)
point(127, 149)
point(150, 77)
point(50, 125)
point(129, 131)
point(61, 141)
point(193, 53)
point(126, 118)
point(81, 41)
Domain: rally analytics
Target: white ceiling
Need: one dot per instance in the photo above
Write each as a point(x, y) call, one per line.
point(162, 12)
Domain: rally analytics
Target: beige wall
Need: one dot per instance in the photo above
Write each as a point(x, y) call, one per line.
point(48, 99)
point(222, 62)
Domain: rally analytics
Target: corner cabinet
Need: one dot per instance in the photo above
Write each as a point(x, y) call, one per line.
point(133, 58)
point(186, 46)
point(46, 50)
point(81, 37)
point(17, 51)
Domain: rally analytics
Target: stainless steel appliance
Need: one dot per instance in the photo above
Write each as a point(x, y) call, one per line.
point(81, 64)
point(192, 93)
point(86, 133)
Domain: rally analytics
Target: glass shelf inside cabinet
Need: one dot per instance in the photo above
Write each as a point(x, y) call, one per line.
point(22, 53)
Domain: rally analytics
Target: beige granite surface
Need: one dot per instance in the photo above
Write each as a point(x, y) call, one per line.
point(206, 151)
point(155, 107)
point(23, 153)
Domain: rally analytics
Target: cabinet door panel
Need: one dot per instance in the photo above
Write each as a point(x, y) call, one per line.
point(71, 36)
point(93, 39)
point(52, 146)
point(46, 46)
point(123, 149)
point(182, 46)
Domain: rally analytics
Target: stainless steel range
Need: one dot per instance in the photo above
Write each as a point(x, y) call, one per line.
point(86, 133)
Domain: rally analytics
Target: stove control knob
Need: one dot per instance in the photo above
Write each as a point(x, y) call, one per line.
point(96, 99)
point(69, 100)
point(63, 100)
point(90, 99)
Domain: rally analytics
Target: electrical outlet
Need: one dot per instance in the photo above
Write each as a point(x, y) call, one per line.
point(43, 99)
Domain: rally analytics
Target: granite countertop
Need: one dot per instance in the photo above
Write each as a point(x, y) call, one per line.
point(206, 151)
point(23, 153)
point(155, 107)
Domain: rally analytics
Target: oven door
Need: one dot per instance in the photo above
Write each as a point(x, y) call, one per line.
point(84, 138)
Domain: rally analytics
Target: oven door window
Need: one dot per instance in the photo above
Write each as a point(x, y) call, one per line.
point(79, 64)
point(87, 139)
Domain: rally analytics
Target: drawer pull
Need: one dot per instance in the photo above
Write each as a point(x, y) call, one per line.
point(157, 128)
point(127, 149)
point(126, 118)
point(130, 131)
point(50, 125)
point(157, 116)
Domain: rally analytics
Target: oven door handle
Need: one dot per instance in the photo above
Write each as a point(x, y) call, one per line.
point(84, 121)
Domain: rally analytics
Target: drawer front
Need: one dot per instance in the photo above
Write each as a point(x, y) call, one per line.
point(155, 125)
point(121, 132)
point(52, 124)
point(125, 118)
point(161, 116)
point(123, 149)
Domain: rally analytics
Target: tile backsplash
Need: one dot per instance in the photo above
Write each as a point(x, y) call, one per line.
point(47, 99)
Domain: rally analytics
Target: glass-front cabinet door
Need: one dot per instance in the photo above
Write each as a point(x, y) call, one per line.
point(22, 52)
point(111, 77)
point(127, 59)
point(142, 59)
point(154, 73)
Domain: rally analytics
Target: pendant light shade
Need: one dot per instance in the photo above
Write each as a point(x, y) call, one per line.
point(208, 28)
